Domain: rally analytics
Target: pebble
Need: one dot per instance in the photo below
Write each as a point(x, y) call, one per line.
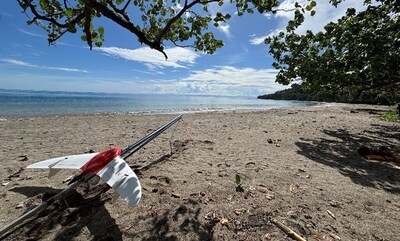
point(20, 205)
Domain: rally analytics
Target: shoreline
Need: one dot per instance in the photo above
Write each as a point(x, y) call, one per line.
point(189, 112)
point(295, 164)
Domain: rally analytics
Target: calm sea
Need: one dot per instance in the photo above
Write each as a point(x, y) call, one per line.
point(22, 103)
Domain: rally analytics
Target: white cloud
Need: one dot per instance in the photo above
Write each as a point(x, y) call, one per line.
point(229, 80)
point(234, 76)
point(26, 64)
point(220, 80)
point(177, 57)
point(325, 13)
point(224, 27)
point(18, 62)
point(29, 33)
point(260, 40)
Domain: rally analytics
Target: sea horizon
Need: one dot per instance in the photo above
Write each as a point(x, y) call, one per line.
point(30, 103)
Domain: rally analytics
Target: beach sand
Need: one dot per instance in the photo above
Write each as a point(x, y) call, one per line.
point(310, 177)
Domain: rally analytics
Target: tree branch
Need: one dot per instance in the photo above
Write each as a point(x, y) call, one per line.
point(183, 10)
point(108, 13)
point(120, 11)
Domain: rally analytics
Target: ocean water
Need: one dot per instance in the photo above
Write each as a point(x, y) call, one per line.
point(25, 103)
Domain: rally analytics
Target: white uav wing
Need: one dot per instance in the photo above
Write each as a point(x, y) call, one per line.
point(64, 162)
point(108, 165)
point(123, 180)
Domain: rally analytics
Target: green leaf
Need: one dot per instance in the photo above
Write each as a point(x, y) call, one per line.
point(84, 38)
point(98, 44)
point(71, 27)
point(238, 180)
point(44, 4)
point(100, 29)
point(24, 5)
point(68, 12)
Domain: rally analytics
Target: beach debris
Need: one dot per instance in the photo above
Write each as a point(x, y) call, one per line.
point(68, 179)
point(239, 211)
point(274, 141)
point(108, 165)
point(334, 236)
point(335, 204)
point(331, 214)
point(224, 221)
point(250, 164)
point(5, 183)
point(270, 196)
point(16, 174)
point(20, 205)
point(23, 158)
point(174, 195)
point(287, 230)
point(292, 214)
point(293, 187)
point(267, 237)
point(212, 217)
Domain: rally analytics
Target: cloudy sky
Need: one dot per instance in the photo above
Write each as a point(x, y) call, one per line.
point(242, 67)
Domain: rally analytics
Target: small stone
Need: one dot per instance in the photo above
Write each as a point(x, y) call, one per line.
point(224, 221)
point(5, 184)
point(292, 214)
point(270, 196)
point(20, 205)
point(174, 195)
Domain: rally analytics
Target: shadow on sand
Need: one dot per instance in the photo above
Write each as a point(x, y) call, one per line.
point(66, 219)
point(339, 150)
point(172, 224)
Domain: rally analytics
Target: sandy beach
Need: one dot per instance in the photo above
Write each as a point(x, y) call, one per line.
point(299, 166)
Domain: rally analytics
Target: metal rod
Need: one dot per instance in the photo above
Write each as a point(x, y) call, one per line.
point(127, 152)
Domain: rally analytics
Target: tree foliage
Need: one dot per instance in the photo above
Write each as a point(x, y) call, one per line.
point(153, 22)
point(357, 57)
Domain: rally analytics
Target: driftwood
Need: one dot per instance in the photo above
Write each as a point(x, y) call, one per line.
point(287, 230)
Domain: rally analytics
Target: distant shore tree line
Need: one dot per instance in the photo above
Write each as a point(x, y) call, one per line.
point(299, 92)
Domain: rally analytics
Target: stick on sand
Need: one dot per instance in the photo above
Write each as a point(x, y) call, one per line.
point(287, 230)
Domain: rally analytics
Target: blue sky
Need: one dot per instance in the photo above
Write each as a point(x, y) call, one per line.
point(242, 67)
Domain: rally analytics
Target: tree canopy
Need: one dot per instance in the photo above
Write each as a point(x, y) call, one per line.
point(153, 22)
point(358, 55)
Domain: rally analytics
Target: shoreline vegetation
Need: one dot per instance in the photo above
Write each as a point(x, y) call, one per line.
point(297, 166)
point(372, 97)
point(298, 92)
